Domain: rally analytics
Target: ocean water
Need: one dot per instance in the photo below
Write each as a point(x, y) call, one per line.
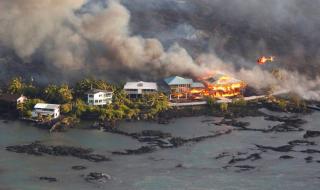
point(157, 171)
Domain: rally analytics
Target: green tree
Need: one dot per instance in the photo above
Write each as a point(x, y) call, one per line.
point(151, 105)
point(65, 94)
point(239, 102)
point(31, 91)
point(83, 86)
point(224, 107)
point(282, 104)
point(80, 107)
point(60, 95)
point(50, 93)
point(211, 101)
point(120, 96)
point(66, 108)
point(21, 109)
point(16, 86)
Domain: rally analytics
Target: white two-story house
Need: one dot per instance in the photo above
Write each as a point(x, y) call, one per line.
point(137, 89)
point(99, 97)
point(43, 109)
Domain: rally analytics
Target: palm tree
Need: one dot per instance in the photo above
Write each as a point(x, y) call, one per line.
point(16, 86)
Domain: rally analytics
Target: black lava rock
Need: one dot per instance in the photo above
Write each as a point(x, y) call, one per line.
point(79, 167)
point(311, 134)
point(39, 149)
point(286, 157)
point(308, 159)
point(285, 148)
point(244, 168)
point(301, 142)
point(311, 151)
point(48, 179)
point(251, 157)
point(141, 150)
point(97, 177)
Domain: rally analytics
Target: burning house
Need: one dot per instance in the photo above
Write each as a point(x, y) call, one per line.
point(215, 86)
point(197, 90)
point(223, 86)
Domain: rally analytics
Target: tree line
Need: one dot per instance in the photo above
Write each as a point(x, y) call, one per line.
point(73, 100)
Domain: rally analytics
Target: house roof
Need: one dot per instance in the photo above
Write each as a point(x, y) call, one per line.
point(9, 97)
point(95, 91)
point(176, 80)
point(46, 106)
point(197, 85)
point(141, 85)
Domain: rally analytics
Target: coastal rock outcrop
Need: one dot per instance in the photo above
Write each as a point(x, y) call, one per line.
point(286, 157)
point(159, 139)
point(311, 134)
point(141, 150)
point(48, 179)
point(38, 149)
point(79, 167)
point(285, 148)
point(97, 177)
point(301, 142)
point(252, 157)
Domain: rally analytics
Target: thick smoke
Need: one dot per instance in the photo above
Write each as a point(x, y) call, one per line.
point(45, 26)
point(70, 39)
point(98, 40)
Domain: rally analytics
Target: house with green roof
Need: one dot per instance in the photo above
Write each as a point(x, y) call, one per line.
point(180, 87)
point(176, 81)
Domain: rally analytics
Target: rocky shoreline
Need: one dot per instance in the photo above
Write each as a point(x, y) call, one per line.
point(154, 140)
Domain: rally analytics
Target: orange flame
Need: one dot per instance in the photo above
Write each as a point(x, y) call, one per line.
point(224, 86)
point(263, 60)
point(219, 86)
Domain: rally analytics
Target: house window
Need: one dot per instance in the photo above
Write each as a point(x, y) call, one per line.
point(96, 101)
point(90, 95)
point(148, 90)
point(132, 90)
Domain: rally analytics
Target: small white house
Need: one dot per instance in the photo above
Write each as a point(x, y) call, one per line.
point(99, 97)
point(22, 99)
point(44, 109)
point(137, 89)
